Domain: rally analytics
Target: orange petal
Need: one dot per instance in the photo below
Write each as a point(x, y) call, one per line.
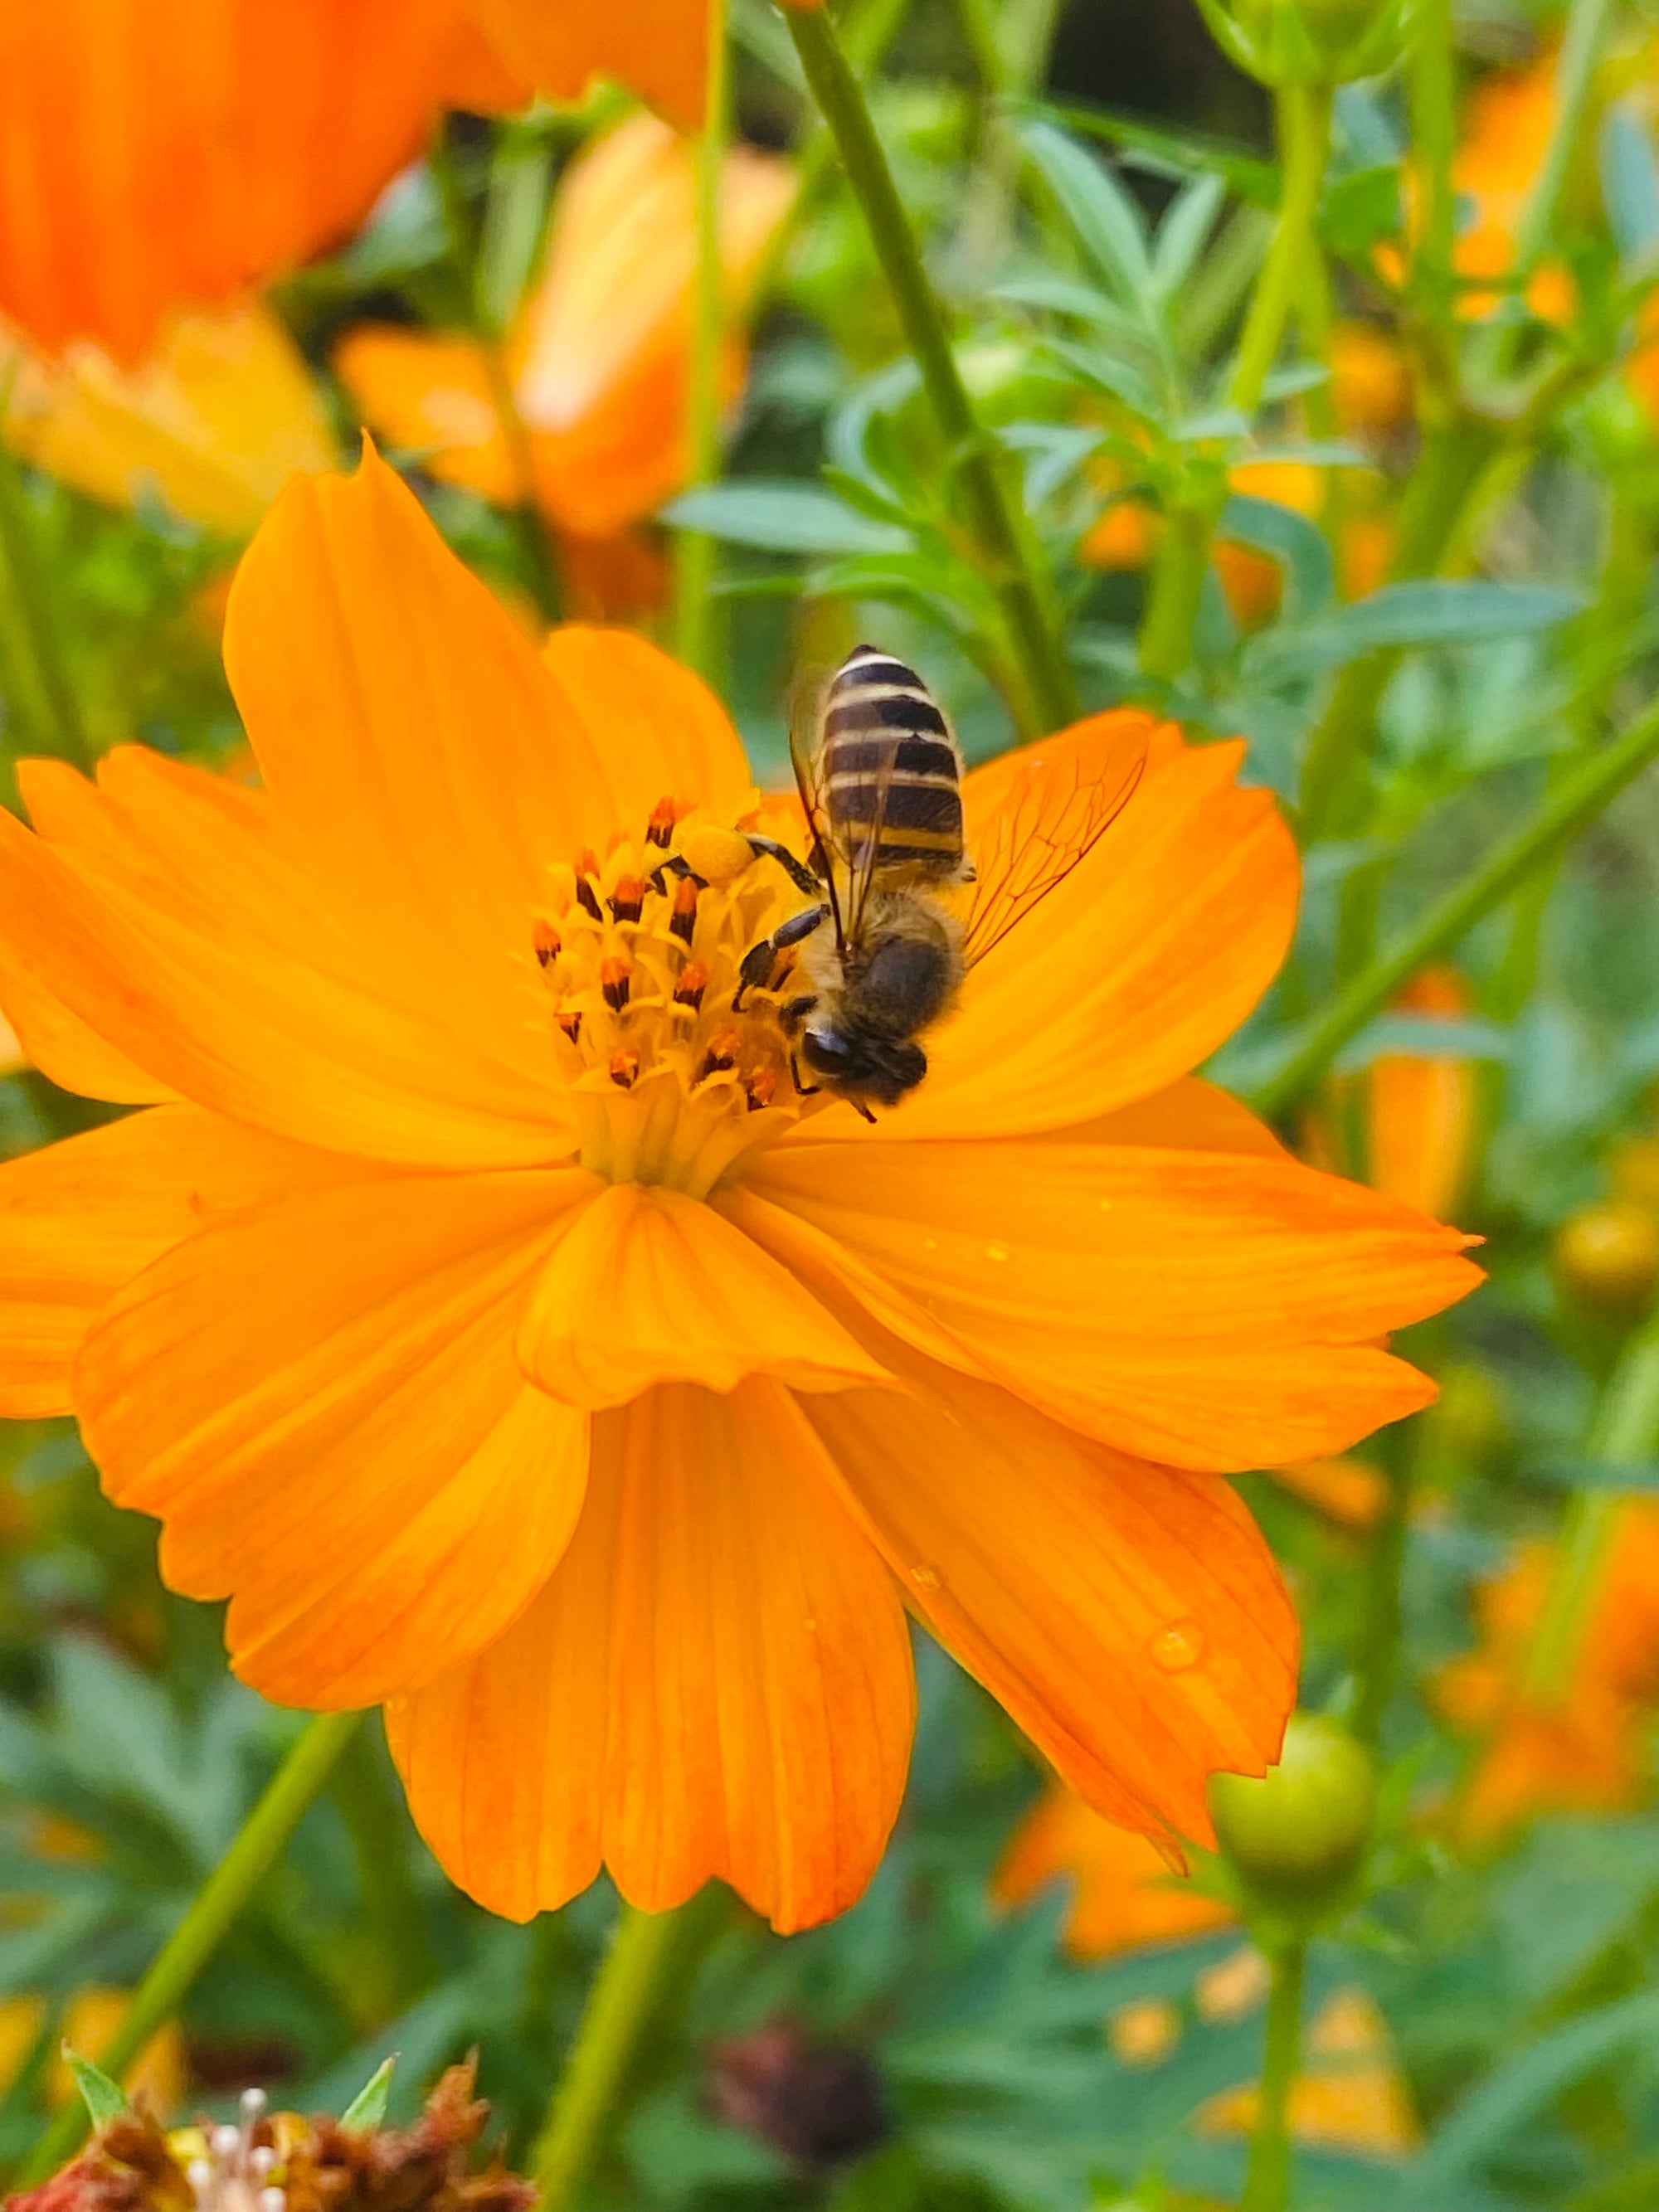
point(652, 1286)
point(333, 1431)
point(80, 1218)
point(227, 1006)
point(61, 1045)
point(1128, 1617)
point(716, 1682)
point(157, 158)
point(427, 765)
point(1188, 1115)
point(658, 48)
point(1150, 953)
point(1211, 1309)
point(659, 728)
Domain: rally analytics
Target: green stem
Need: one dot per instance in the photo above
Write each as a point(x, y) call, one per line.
point(192, 1943)
point(1183, 556)
point(43, 694)
point(1432, 90)
point(1597, 779)
point(868, 32)
point(1624, 1433)
point(1006, 552)
point(1267, 2178)
point(1305, 143)
point(694, 552)
point(648, 1951)
point(372, 1806)
point(1575, 83)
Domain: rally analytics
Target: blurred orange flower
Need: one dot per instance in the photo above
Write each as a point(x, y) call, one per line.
point(212, 424)
point(1421, 1109)
point(1348, 1490)
point(1349, 2095)
point(597, 362)
point(1126, 533)
point(660, 48)
point(1371, 382)
point(467, 1177)
point(155, 160)
point(1125, 1894)
point(156, 2078)
point(1584, 1748)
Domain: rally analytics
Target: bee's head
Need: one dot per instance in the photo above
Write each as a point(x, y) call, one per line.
point(882, 1068)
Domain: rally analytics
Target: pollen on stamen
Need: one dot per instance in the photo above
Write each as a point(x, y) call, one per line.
point(627, 898)
point(760, 1089)
point(587, 869)
point(659, 830)
point(625, 1067)
point(569, 1019)
point(683, 918)
point(616, 981)
point(693, 983)
point(721, 1055)
point(546, 941)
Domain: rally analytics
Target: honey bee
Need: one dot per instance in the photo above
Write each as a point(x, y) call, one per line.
point(882, 954)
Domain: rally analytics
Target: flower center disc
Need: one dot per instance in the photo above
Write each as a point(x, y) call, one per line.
point(670, 1083)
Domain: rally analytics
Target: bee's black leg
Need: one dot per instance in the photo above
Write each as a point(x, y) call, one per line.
point(859, 1107)
point(802, 1089)
point(758, 962)
point(798, 872)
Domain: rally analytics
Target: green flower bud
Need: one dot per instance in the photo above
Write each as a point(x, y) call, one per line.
point(1296, 1836)
point(1285, 42)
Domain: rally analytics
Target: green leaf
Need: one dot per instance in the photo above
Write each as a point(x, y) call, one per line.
point(781, 517)
point(1430, 612)
point(1360, 209)
point(367, 2110)
point(1479, 2123)
point(1629, 183)
point(1184, 232)
point(106, 2099)
point(1299, 546)
point(1172, 152)
point(1105, 220)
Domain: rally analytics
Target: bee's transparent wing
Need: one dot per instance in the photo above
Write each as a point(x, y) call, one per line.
point(1046, 806)
point(823, 854)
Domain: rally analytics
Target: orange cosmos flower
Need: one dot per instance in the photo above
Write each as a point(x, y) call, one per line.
point(212, 423)
point(599, 360)
point(1421, 1110)
point(1348, 2095)
point(155, 159)
point(1125, 1894)
point(1585, 1748)
point(511, 1342)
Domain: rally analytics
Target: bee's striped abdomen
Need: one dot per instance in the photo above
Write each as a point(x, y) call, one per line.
point(891, 770)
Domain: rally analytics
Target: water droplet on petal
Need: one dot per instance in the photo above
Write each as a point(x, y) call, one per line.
point(927, 1576)
point(996, 1250)
point(1176, 1646)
